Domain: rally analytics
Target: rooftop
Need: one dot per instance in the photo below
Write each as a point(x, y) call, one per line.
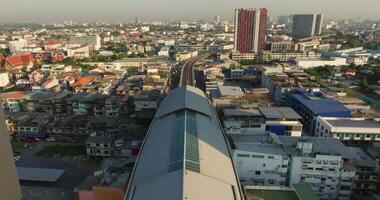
point(353, 123)
point(230, 91)
point(39, 174)
point(263, 194)
point(182, 135)
point(319, 105)
point(240, 112)
point(279, 113)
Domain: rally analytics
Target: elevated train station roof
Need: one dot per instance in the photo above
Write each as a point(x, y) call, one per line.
point(185, 154)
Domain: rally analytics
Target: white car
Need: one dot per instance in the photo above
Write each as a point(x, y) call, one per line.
point(51, 139)
point(16, 158)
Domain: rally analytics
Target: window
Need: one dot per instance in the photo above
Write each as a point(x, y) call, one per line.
point(270, 157)
point(98, 145)
point(257, 172)
point(257, 156)
point(105, 145)
point(243, 155)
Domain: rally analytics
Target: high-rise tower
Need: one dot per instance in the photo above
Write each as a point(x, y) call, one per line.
point(250, 30)
point(307, 25)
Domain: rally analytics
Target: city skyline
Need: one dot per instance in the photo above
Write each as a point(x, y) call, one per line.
point(166, 10)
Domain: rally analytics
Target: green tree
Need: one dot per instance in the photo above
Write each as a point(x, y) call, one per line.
point(132, 69)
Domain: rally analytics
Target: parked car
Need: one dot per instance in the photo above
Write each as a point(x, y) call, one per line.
point(51, 139)
point(31, 141)
point(16, 158)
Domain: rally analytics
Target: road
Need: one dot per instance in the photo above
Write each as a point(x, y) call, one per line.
point(187, 73)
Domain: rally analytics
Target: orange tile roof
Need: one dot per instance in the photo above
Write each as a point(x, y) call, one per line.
point(52, 42)
point(14, 95)
point(83, 81)
point(21, 59)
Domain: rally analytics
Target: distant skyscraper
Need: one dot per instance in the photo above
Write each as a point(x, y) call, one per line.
point(283, 19)
point(217, 19)
point(250, 30)
point(307, 25)
point(137, 20)
point(9, 184)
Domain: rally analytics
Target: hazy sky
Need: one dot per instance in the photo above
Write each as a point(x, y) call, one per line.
point(171, 10)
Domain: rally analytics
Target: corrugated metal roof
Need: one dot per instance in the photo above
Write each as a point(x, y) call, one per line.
point(321, 105)
point(39, 174)
point(279, 113)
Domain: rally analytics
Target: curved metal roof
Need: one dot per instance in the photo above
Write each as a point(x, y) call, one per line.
point(185, 154)
point(185, 97)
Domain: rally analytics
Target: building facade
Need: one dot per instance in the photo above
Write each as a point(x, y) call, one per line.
point(352, 131)
point(272, 160)
point(307, 25)
point(250, 30)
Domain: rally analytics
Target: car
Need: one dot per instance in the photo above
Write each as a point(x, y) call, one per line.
point(31, 141)
point(16, 158)
point(51, 139)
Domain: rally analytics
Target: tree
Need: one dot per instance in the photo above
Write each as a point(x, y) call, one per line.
point(364, 84)
point(132, 70)
point(5, 52)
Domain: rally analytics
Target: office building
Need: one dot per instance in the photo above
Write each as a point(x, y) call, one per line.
point(283, 19)
point(137, 20)
point(324, 164)
point(92, 41)
point(352, 131)
point(310, 63)
point(250, 30)
point(17, 45)
point(79, 52)
point(185, 154)
point(307, 25)
point(283, 46)
point(217, 20)
point(310, 106)
point(9, 184)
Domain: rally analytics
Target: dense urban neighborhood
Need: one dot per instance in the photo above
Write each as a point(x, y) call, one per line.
point(296, 98)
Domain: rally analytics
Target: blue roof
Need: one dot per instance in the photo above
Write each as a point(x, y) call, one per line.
point(320, 106)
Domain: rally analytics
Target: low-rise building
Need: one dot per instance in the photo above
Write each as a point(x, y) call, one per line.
point(146, 104)
point(99, 146)
point(310, 106)
point(271, 160)
point(287, 56)
point(352, 131)
point(279, 120)
point(79, 52)
point(92, 41)
point(309, 63)
point(227, 92)
point(283, 46)
point(358, 59)
point(31, 125)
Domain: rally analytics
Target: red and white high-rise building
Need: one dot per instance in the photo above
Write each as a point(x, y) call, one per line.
point(250, 30)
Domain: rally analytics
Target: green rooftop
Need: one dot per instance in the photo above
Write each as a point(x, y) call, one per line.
point(249, 106)
point(299, 192)
point(271, 195)
point(304, 192)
